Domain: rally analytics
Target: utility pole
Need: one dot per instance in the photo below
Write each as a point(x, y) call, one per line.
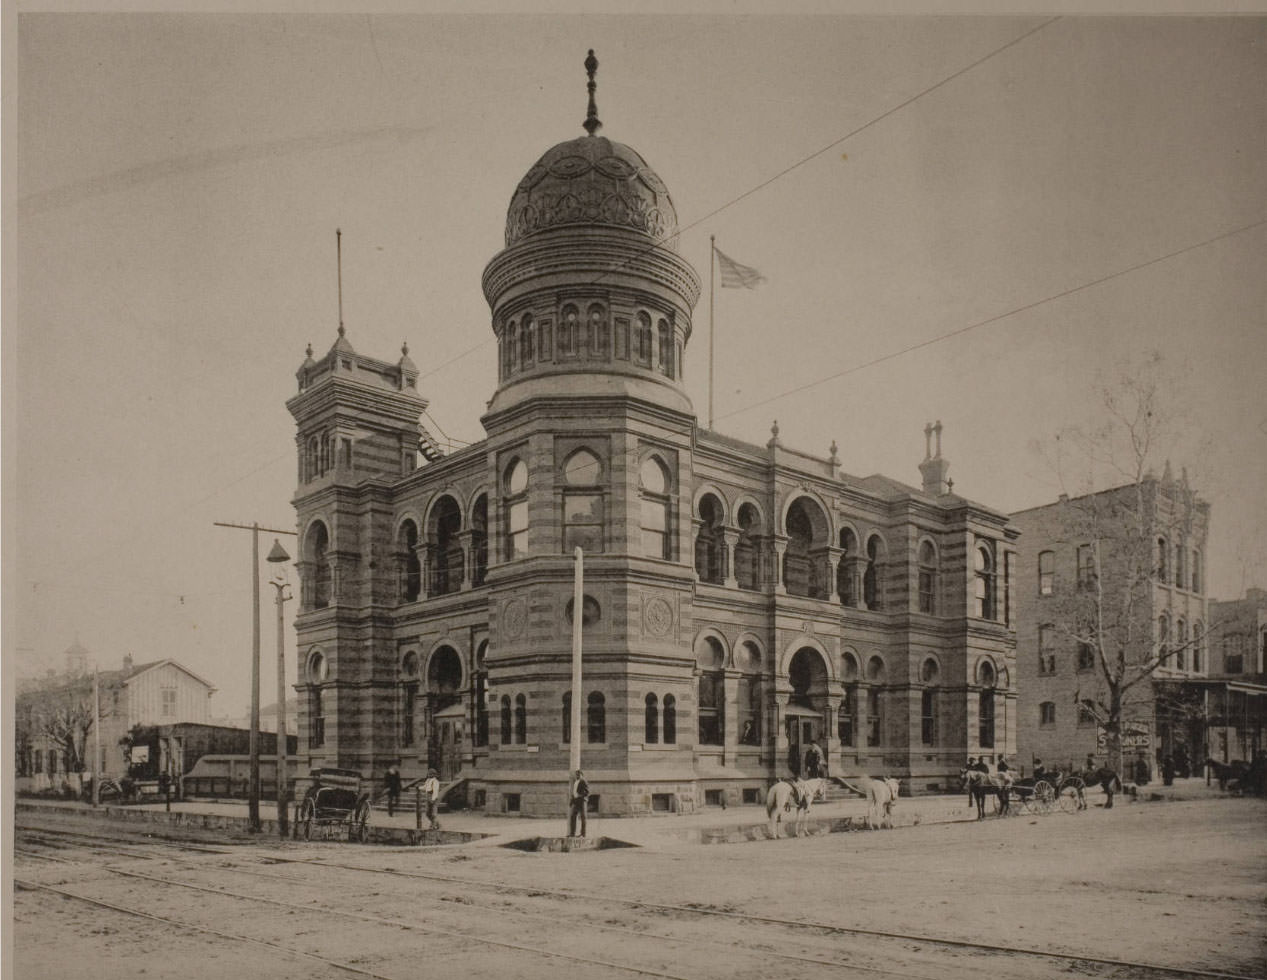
point(253, 743)
point(96, 736)
point(278, 556)
point(578, 615)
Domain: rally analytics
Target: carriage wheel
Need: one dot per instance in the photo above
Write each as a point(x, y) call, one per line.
point(1044, 796)
point(305, 819)
point(361, 821)
point(1072, 793)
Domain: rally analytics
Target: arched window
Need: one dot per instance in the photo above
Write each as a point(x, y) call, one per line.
point(317, 674)
point(797, 565)
point(746, 548)
point(710, 696)
point(749, 704)
point(1163, 549)
point(318, 541)
point(845, 715)
point(1046, 573)
point(665, 333)
point(1196, 570)
point(582, 503)
point(927, 579)
point(651, 721)
point(512, 348)
point(928, 716)
point(446, 548)
point(409, 563)
point(408, 697)
point(598, 330)
point(521, 719)
point(873, 577)
point(1163, 640)
point(479, 540)
point(875, 717)
point(567, 332)
point(1181, 566)
point(596, 718)
point(527, 337)
point(985, 717)
point(479, 694)
point(515, 488)
point(567, 716)
point(710, 545)
point(670, 720)
point(1181, 644)
point(846, 586)
point(642, 340)
point(655, 508)
point(1047, 714)
point(983, 558)
point(507, 727)
point(1198, 645)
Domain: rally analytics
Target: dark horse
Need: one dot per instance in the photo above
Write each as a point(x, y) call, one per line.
point(982, 784)
point(1108, 780)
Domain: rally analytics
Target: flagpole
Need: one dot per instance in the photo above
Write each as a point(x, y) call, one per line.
point(712, 261)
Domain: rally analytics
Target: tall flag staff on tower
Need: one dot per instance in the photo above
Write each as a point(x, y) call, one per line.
point(733, 276)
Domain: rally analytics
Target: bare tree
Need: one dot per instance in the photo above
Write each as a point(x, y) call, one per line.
point(65, 722)
point(1111, 611)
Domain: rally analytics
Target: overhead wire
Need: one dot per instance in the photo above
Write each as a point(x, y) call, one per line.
point(996, 318)
point(659, 243)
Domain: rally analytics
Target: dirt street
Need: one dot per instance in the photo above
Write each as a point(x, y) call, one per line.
point(1179, 885)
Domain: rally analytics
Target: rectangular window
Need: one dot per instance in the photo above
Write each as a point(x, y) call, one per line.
point(1046, 644)
point(1047, 713)
point(1086, 566)
point(874, 721)
point(845, 716)
point(1007, 588)
point(985, 720)
point(661, 802)
point(583, 522)
point(169, 702)
point(1086, 656)
point(655, 527)
point(407, 715)
point(1047, 573)
point(928, 720)
point(517, 530)
point(710, 709)
point(926, 598)
point(510, 802)
point(1236, 664)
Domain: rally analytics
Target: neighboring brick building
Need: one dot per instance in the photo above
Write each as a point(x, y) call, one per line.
point(1061, 547)
point(162, 692)
point(1239, 659)
point(740, 599)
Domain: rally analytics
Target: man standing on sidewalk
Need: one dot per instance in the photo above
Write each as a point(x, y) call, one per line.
point(392, 780)
point(431, 793)
point(578, 802)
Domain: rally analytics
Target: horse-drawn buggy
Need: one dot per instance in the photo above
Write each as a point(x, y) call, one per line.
point(337, 801)
point(1050, 791)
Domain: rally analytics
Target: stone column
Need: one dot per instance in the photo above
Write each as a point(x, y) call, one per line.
point(831, 733)
point(778, 724)
point(425, 550)
point(778, 545)
point(730, 717)
point(697, 528)
point(833, 560)
point(467, 544)
point(731, 536)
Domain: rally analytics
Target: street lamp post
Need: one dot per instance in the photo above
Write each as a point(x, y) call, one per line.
point(253, 743)
point(278, 556)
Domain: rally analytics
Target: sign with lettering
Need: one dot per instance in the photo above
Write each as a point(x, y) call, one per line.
point(1135, 735)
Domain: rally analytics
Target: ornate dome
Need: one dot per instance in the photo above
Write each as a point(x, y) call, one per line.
point(591, 181)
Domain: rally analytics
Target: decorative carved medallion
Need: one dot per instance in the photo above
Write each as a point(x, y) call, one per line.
point(514, 618)
point(657, 616)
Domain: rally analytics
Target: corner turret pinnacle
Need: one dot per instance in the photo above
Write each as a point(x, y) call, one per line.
point(592, 124)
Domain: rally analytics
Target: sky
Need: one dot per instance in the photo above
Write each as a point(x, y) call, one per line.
point(1025, 205)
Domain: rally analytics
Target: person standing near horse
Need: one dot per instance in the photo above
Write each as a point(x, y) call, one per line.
point(578, 802)
point(392, 782)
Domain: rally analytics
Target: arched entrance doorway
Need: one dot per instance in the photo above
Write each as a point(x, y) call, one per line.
point(446, 724)
point(807, 673)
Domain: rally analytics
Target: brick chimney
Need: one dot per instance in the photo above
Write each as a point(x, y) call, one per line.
point(127, 663)
point(935, 468)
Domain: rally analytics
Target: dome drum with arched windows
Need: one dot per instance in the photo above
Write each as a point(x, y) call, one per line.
point(590, 282)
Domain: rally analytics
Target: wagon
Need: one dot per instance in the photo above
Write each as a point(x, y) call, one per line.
point(335, 800)
point(1052, 791)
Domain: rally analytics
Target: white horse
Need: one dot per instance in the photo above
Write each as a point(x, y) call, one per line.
point(881, 797)
point(783, 796)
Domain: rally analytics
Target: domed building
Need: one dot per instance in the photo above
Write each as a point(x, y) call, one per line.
point(740, 601)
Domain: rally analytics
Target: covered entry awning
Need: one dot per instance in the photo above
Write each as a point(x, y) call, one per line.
point(801, 711)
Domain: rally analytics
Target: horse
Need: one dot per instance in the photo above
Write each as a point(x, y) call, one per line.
point(881, 795)
point(1109, 781)
point(784, 795)
point(982, 784)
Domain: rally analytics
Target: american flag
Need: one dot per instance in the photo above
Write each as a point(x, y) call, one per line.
point(734, 275)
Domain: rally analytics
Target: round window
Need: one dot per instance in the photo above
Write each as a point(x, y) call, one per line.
point(517, 478)
point(652, 475)
point(318, 669)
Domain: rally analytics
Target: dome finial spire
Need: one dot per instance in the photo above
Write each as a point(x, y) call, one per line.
point(591, 124)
